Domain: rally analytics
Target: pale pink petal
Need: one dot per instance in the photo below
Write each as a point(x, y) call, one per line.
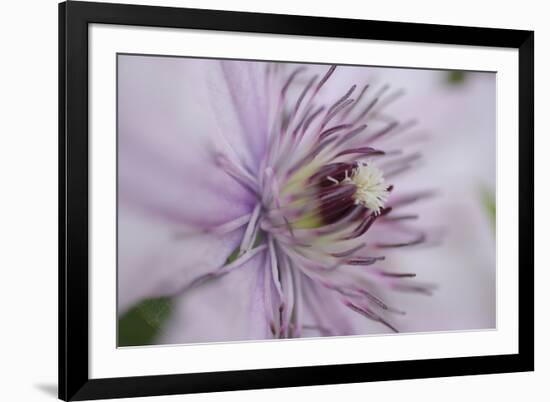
point(171, 136)
point(324, 314)
point(229, 308)
point(245, 84)
point(459, 162)
point(156, 259)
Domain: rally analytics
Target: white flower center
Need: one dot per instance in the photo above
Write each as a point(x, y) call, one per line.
point(371, 191)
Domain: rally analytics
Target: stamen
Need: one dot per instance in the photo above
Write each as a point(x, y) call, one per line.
point(365, 111)
point(363, 151)
point(371, 104)
point(408, 199)
point(333, 113)
point(297, 108)
point(366, 312)
point(389, 99)
point(240, 175)
point(308, 264)
point(225, 269)
point(311, 155)
point(382, 132)
point(421, 238)
point(229, 226)
point(364, 261)
point(336, 201)
point(310, 119)
point(303, 119)
point(349, 252)
point(334, 170)
point(290, 79)
point(366, 224)
point(250, 233)
point(357, 101)
point(325, 78)
point(288, 294)
point(296, 317)
point(398, 166)
point(335, 227)
point(379, 303)
point(398, 274)
point(274, 267)
point(425, 289)
point(400, 218)
point(350, 135)
point(268, 300)
point(342, 99)
point(333, 130)
point(303, 94)
point(371, 190)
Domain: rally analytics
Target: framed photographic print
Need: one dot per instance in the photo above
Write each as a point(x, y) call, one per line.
point(257, 200)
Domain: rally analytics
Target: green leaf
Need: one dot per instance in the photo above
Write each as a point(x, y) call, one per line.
point(141, 325)
point(489, 203)
point(455, 77)
point(233, 256)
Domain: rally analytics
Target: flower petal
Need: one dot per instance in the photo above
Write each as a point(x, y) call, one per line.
point(246, 86)
point(170, 135)
point(324, 314)
point(230, 308)
point(155, 259)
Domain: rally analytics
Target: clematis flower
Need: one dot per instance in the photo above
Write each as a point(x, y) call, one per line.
point(265, 198)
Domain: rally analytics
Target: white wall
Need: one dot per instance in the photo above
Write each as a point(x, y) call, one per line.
point(28, 212)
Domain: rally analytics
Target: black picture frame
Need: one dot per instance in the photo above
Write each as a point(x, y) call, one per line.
point(74, 381)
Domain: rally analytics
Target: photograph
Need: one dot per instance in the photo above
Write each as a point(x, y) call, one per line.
point(262, 200)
